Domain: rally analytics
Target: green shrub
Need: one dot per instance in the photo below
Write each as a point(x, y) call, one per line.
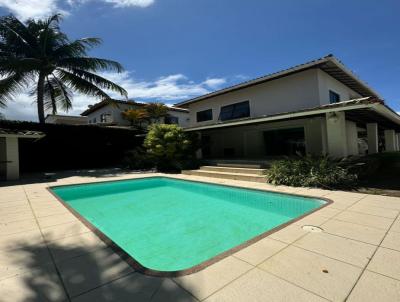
point(310, 172)
point(138, 159)
point(170, 147)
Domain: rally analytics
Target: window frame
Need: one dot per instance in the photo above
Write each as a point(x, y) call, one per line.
point(233, 110)
point(333, 94)
point(204, 112)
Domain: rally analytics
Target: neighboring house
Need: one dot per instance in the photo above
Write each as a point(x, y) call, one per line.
point(66, 119)
point(319, 107)
point(110, 113)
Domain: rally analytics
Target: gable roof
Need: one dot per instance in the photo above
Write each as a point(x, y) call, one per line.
point(97, 106)
point(329, 64)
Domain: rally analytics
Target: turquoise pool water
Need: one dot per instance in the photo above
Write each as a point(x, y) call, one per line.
point(170, 225)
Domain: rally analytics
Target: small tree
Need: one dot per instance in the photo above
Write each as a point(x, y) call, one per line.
point(135, 116)
point(169, 146)
point(156, 111)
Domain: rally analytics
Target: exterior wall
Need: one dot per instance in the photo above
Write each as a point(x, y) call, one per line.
point(116, 116)
point(291, 93)
point(326, 83)
point(248, 141)
point(12, 157)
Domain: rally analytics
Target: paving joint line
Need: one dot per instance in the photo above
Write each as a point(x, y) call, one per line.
point(48, 249)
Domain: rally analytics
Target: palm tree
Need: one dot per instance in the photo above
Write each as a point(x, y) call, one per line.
point(156, 111)
point(135, 116)
point(37, 54)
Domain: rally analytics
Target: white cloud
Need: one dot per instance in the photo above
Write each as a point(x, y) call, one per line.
point(130, 3)
point(25, 9)
point(167, 89)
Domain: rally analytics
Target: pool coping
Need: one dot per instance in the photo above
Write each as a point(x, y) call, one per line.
point(138, 267)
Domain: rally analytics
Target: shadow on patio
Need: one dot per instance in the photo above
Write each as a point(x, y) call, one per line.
point(77, 273)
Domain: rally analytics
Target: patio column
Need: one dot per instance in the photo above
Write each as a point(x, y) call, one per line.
point(336, 134)
point(12, 158)
point(390, 140)
point(372, 134)
point(199, 153)
point(352, 138)
point(398, 141)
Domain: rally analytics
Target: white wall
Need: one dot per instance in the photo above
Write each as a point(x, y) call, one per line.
point(117, 118)
point(327, 82)
point(291, 93)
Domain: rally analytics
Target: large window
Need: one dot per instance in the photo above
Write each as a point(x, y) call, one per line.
point(205, 115)
point(169, 119)
point(234, 111)
point(284, 142)
point(333, 97)
point(105, 118)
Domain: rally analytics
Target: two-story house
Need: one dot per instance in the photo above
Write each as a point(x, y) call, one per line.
point(110, 113)
point(319, 107)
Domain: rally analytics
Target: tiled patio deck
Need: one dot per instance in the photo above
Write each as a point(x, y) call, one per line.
point(46, 254)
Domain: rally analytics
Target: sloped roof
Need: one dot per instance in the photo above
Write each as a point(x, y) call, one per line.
point(20, 133)
point(329, 64)
point(103, 103)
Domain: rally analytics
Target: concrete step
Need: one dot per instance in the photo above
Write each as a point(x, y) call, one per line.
point(226, 175)
point(255, 171)
point(246, 166)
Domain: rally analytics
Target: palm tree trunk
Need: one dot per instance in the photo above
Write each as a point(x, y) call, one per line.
point(40, 98)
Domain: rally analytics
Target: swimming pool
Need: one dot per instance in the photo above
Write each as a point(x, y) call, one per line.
point(166, 226)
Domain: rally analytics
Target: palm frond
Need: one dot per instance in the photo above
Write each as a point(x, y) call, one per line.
point(97, 80)
point(90, 64)
point(12, 86)
point(80, 85)
point(77, 48)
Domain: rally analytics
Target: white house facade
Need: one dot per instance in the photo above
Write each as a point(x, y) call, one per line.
point(110, 113)
point(319, 107)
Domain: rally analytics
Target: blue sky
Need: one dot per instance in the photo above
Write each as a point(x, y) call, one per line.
point(176, 49)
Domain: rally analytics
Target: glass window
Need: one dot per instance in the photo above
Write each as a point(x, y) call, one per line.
point(333, 97)
point(171, 119)
point(205, 115)
point(234, 111)
point(105, 118)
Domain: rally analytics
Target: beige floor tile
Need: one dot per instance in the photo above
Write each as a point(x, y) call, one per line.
point(169, 291)
point(338, 248)
point(328, 212)
point(354, 231)
point(214, 277)
point(25, 215)
point(374, 287)
point(313, 219)
point(306, 269)
point(365, 219)
point(64, 230)
point(48, 211)
point(386, 262)
point(259, 251)
point(13, 204)
point(86, 272)
point(17, 227)
point(392, 241)
point(289, 234)
point(41, 285)
point(21, 240)
point(57, 219)
point(134, 287)
point(75, 245)
point(378, 211)
point(396, 226)
point(16, 209)
point(14, 262)
point(259, 286)
point(382, 201)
